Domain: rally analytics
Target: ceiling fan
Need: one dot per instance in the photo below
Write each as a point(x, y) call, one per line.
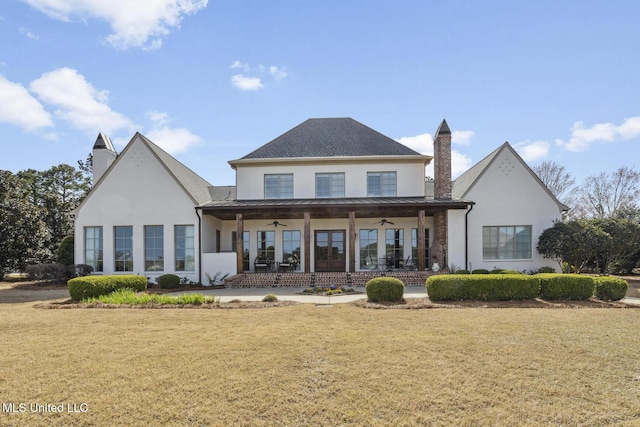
point(277, 223)
point(384, 221)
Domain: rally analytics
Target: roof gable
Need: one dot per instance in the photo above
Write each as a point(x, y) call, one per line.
point(194, 186)
point(330, 137)
point(465, 182)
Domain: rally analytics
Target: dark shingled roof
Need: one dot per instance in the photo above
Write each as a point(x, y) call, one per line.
point(331, 137)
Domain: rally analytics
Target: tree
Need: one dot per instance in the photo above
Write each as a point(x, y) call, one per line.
point(607, 195)
point(86, 167)
point(621, 246)
point(558, 181)
point(572, 244)
point(23, 234)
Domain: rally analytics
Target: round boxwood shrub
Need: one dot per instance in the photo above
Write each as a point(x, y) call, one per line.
point(480, 271)
point(94, 286)
point(611, 288)
point(462, 272)
point(168, 281)
point(482, 287)
point(509, 272)
point(555, 286)
point(381, 289)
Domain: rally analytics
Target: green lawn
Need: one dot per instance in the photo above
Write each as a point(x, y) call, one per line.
point(308, 365)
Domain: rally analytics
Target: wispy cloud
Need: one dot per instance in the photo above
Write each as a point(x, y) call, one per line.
point(252, 78)
point(462, 137)
point(78, 103)
point(20, 108)
point(172, 140)
point(141, 24)
point(582, 138)
point(30, 34)
point(532, 150)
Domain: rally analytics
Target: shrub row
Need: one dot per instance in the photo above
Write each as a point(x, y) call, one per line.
point(94, 286)
point(482, 287)
point(384, 289)
point(501, 287)
point(56, 271)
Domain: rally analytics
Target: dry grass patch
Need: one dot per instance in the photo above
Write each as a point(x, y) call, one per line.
point(302, 365)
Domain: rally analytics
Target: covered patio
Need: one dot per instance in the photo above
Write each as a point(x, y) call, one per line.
point(342, 214)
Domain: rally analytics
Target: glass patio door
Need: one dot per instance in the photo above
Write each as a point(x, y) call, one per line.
point(330, 250)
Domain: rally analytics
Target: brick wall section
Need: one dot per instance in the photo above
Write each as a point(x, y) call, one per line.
point(442, 191)
point(442, 162)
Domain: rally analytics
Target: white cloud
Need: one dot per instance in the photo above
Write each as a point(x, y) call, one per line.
point(19, 107)
point(277, 73)
point(78, 102)
point(141, 24)
point(423, 144)
point(462, 137)
point(240, 65)
point(171, 140)
point(532, 150)
point(246, 81)
point(243, 82)
point(582, 137)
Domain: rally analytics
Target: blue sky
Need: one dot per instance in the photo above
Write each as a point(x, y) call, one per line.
point(210, 81)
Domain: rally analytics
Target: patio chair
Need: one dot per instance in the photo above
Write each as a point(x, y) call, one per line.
point(289, 263)
point(409, 264)
point(262, 264)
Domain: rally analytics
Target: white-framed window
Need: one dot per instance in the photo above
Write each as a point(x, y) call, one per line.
point(93, 248)
point(506, 242)
point(381, 184)
point(154, 248)
point(329, 185)
point(123, 247)
point(368, 248)
point(278, 186)
point(267, 245)
point(184, 248)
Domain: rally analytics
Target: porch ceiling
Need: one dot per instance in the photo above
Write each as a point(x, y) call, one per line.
point(330, 208)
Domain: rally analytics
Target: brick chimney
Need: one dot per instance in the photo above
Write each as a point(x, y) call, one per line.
point(442, 162)
point(441, 191)
point(103, 155)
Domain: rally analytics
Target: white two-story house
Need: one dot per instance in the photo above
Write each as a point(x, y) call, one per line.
point(330, 195)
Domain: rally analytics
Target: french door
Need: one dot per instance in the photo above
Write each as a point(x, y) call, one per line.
point(330, 250)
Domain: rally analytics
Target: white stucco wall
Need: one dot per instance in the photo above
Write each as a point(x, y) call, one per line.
point(138, 191)
point(409, 177)
point(508, 195)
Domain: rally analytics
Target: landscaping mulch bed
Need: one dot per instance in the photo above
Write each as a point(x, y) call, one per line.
point(426, 303)
point(211, 306)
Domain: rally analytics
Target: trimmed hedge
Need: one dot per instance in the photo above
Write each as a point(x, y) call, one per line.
point(611, 288)
point(482, 287)
point(566, 286)
point(94, 286)
point(462, 272)
point(168, 281)
point(384, 289)
point(480, 271)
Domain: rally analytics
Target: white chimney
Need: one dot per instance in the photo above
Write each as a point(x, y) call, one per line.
point(103, 156)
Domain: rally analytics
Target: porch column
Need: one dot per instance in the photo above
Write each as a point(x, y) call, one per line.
point(352, 241)
point(307, 242)
point(239, 243)
point(440, 239)
point(421, 243)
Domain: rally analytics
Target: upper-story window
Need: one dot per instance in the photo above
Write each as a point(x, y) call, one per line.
point(278, 186)
point(329, 185)
point(381, 184)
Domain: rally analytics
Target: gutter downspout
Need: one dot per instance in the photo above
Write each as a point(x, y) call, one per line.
point(466, 237)
point(199, 247)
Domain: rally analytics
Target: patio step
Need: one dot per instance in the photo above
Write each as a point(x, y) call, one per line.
point(296, 280)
